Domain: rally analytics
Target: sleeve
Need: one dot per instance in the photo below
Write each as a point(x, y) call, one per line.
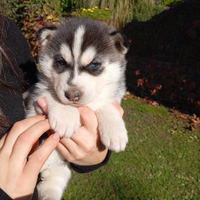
point(4, 196)
point(86, 169)
point(19, 49)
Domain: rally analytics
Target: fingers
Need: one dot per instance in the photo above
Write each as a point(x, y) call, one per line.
point(88, 118)
point(26, 140)
point(67, 147)
point(2, 140)
point(72, 151)
point(17, 129)
point(84, 140)
point(87, 134)
point(34, 147)
point(118, 107)
point(42, 102)
point(40, 156)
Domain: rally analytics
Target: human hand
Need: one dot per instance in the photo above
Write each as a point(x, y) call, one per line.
point(19, 176)
point(84, 147)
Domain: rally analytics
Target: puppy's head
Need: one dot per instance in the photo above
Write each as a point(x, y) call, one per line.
point(83, 59)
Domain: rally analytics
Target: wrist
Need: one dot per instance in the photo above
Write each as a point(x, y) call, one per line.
point(99, 157)
point(85, 169)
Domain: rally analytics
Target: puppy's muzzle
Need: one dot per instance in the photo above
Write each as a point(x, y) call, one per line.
point(73, 95)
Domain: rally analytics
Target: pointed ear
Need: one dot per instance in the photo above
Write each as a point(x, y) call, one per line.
point(120, 42)
point(45, 33)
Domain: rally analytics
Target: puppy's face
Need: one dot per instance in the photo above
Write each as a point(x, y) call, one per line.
point(83, 60)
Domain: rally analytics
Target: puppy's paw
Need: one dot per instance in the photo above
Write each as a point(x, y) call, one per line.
point(64, 120)
point(114, 137)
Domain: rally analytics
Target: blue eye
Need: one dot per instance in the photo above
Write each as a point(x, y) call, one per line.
point(94, 65)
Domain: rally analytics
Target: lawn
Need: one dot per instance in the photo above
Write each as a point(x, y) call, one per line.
point(161, 160)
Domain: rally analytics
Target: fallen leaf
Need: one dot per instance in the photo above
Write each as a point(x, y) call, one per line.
point(183, 116)
point(140, 82)
point(155, 104)
point(137, 72)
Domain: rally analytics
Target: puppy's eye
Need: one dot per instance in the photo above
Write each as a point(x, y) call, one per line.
point(94, 65)
point(61, 62)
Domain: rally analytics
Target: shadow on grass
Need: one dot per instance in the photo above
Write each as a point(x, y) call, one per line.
point(164, 52)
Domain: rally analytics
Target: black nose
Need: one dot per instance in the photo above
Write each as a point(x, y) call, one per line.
point(73, 95)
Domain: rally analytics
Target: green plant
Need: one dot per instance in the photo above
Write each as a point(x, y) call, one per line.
point(171, 2)
point(94, 13)
point(120, 10)
point(145, 10)
point(30, 17)
point(17, 8)
point(67, 6)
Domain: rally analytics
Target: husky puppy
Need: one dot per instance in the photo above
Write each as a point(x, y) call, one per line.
point(82, 64)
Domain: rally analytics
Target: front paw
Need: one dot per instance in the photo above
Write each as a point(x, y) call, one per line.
point(114, 136)
point(65, 120)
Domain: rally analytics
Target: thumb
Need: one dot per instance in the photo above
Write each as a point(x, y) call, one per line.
point(42, 102)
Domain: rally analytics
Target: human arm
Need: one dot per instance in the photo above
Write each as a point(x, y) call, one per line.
point(19, 175)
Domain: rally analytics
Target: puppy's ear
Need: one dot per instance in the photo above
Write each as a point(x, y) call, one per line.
point(45, 33)
point(120, 42)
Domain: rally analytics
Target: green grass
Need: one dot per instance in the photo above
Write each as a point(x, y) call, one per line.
point(161, 160)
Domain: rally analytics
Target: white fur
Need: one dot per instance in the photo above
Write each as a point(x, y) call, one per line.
point(88, 55)
point(44, 38)
point(78, 42)
point(47, 62)
point(54, 181)
point(66, 53)
point(111, 122)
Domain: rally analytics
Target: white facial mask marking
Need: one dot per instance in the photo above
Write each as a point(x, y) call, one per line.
point(66, 53)
point(78, 40)
point(88, 55)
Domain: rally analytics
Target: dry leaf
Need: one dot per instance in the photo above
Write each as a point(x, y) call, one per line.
point(155, 104)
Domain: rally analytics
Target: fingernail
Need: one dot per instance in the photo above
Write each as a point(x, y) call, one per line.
point(56, 135)
point(41, 102)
